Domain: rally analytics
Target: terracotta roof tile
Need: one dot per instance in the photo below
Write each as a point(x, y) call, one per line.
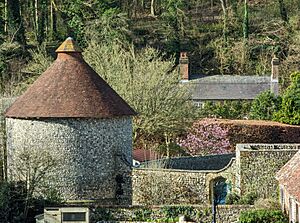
point(289, 176)
point(69, 88)
point(143, 155)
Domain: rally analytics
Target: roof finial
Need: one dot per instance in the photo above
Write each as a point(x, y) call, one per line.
point(68, 46)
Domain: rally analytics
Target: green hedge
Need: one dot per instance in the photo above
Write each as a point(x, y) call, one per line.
point(263, 216)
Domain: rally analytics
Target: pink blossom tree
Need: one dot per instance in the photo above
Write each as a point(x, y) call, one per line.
point(205, 137)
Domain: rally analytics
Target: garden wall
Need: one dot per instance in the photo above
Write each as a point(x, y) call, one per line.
point(253, 170)
point(195, 213)
point(169, 186)
point(257, 165)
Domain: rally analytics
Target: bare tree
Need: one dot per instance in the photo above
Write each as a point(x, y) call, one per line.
point(34, 167)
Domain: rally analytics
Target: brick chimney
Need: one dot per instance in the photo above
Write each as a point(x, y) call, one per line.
point(184, 66)
point(275, 76)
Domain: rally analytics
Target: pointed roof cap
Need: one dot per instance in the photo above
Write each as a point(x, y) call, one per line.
point(69, 45)
point(69, 88)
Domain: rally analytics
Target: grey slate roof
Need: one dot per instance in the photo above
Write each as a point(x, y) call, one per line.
point(228, 87)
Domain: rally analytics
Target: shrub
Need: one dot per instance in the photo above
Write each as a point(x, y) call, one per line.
point(290, 106)
point(267, 203)
point(262, 216)
point(226, 109)
point(12, 202)
point(206, 137)
point(248, 198)
point(258, 131)
point(264, 106)
point(232, 198)
point(17, 207)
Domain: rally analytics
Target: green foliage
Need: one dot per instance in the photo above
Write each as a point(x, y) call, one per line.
point(74, 14)
point(232, 198)
point(290, 107)
point(246, 21)
point(173, 20)
point(103, 214)
point(262, 216)
point(40, 61)
point(3, 73)
point(264, 106)
point(267, 203)
point(248, 198)
point(16, 29)
point(171, 213)
point(143, 214)
point(12, 202)
point(112, 26)
point(226, 109)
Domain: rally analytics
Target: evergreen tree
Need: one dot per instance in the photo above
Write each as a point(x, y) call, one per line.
point(290, 107)
point(15, 28)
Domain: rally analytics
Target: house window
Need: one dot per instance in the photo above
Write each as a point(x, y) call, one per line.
point(73, 216)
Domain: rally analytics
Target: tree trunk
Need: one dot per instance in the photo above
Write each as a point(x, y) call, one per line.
point(283, 11)
point(224, 9)
point(5, 16)
point(246, 20)
point(153, 7)
point(135, 8)
point(51, 20)
point(36, 18)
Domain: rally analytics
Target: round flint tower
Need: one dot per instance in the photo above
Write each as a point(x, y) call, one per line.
point(73, 114)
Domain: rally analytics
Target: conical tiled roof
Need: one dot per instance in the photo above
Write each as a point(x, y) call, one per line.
point(69, 88)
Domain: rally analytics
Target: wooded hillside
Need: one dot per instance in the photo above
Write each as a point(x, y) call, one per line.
point(221, 36)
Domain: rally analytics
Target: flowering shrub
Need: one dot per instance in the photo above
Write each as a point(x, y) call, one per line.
point(205, 137)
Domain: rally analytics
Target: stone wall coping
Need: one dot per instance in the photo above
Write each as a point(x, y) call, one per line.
point(247, 147)
point(154, 206)
point(186, 171)
point(266, 150)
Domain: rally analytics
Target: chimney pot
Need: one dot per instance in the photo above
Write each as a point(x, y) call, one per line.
point(275, 75)
point(184, 66)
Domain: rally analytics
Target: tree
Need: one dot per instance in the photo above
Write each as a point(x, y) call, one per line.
point(205, 137)
point(264, 106)
point(149, 84)
point(283, 11)
point(15, 28)
point(112, 26)
point(173, 19)
point(225, 18)
point(290, 107)
point(246, 21)
point(12, 202)
point(33, 167)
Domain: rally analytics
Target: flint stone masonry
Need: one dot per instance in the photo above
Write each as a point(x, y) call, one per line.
point(225, 213)
point(95, 154)
point(257, 165)
point(4, 104)
point(253, 170)
point(169, 186)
